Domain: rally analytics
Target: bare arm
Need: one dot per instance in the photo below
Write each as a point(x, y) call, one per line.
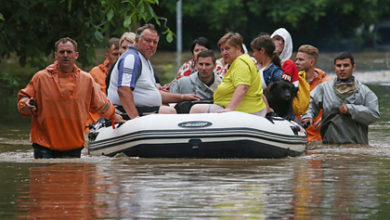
point(308, 121)
point(269, 109)
point(174, 98)
point(127, 100)
point(237, 98)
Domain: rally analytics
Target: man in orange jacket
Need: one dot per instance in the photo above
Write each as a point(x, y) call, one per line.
point(59, 98)
point(100, 72)
point(306, 60)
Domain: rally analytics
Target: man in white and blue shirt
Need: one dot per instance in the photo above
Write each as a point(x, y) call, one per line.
point(132, 87)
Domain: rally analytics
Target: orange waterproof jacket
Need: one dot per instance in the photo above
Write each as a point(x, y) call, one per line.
point(63, 101)
point(312, 133)
point(99, 74)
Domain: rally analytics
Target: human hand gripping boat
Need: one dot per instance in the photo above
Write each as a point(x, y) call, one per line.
point(214, 135)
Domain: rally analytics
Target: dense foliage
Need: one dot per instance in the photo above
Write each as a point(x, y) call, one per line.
point(328, 24)
point(30, 27)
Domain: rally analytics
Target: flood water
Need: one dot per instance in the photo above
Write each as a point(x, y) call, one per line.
point(327, 182)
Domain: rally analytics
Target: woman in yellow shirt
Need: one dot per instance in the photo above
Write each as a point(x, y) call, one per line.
point(241, 88)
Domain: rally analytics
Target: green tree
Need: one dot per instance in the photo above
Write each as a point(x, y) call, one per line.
point(30, 28)
point(329, 24)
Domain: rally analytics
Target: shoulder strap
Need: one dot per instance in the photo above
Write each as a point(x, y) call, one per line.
point(108, 77)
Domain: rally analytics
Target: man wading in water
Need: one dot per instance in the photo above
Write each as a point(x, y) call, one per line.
point(59, 99)
point(348, 105)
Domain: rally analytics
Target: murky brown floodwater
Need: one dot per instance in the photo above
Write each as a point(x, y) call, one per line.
point(329, 182)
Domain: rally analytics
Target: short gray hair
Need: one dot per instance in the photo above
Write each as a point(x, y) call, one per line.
point(141, 30)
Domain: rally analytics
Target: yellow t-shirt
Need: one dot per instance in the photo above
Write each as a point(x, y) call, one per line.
point(241, 72)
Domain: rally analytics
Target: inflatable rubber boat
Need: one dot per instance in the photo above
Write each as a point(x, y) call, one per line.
point(214, 135)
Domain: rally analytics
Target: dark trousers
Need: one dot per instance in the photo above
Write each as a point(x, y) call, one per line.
point(142, 111)
point(41, 152)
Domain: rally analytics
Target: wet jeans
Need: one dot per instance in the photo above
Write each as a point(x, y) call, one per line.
point(41, 152)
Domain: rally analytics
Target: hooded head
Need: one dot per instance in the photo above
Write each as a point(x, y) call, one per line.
point(288, 44)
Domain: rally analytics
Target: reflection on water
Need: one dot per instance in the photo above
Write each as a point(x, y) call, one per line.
point(329, 182)
point(316, 185)
point(380, 77)
point(61, 191)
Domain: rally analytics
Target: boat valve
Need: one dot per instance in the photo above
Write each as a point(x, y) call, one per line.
point(295, 129)
point(92, 135)
point(195, 143)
